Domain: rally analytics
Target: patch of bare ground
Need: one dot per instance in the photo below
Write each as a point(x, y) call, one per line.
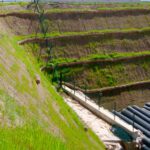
point(22, 26)
point(4, 28)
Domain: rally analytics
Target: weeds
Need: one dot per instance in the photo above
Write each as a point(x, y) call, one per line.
point(29, 137)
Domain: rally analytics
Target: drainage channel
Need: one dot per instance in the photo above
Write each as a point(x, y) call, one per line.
point(100, 120)
point(99, 127)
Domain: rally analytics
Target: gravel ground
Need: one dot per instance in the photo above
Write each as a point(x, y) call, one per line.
point(99, 127)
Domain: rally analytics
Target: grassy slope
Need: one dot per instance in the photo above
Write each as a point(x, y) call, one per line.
point(98, 76)
point(29, 113)
point(38, 110)
point(99, 57)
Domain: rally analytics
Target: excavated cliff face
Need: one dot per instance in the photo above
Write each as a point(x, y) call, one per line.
point(77, 21)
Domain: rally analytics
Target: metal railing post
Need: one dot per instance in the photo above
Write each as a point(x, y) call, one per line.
point(60, 80)
point(99, 99)
point(85, 92)
point(114, 110)
point(74, 85)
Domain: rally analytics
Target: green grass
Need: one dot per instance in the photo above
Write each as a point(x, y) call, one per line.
point(116, 55)
point(65, 10)
point(113, 74)
point(37, 107)
point(111, 4)
point(13, 3)
point(123, 8)
point(98, 57)
point(9, 107)
point(99, 6)
point(59, 10)
point(29, 137)
point(49, 130)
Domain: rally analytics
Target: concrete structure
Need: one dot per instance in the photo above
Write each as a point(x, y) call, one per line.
point(102, 113)
point(101, 128)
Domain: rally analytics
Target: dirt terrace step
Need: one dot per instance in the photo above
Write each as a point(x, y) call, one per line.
point(99, 62)
point(115, 90)
point(75, 14)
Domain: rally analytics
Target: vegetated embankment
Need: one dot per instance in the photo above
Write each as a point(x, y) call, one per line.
point(88, 43)
point(115, 80)
point(107, 74)
point(72, 38)
point(34, 116)
point(102, 62)
point(78, 21)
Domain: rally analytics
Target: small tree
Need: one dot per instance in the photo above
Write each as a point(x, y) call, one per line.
point(44, 27)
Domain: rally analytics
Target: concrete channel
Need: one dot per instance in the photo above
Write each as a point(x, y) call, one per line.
point(107, 118)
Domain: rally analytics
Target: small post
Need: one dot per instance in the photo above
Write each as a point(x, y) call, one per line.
point(99, 100)
point(114, 109)
point(74, 85)
point(60, 82)
point(133, 121)
point(85, 92)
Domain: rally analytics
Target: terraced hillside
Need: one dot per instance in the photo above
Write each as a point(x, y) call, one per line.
point(95, 48)
point(101, 49)
point(80, 20)
point(34, 116)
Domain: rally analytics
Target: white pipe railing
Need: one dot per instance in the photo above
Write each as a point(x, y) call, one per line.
point(102, 113)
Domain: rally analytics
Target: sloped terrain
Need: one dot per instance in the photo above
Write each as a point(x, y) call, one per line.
point(100, 50)
point(78, 21)
point(34, 116)
point(84, 44)
point(115, 40)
